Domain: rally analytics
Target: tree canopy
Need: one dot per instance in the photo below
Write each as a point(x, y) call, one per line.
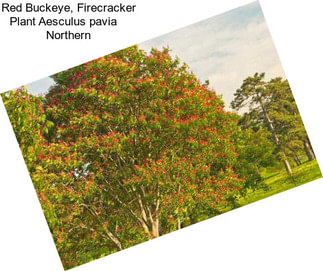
point(271, 105)
point(136, 146)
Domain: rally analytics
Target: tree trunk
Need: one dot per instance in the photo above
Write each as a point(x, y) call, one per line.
point(274, 134)
point(287, 166)
point(155, 228)
point(270, 124)
point(296, 159)
point(308, 150)
point(311, 147)
point(115, 239)
point(179, 223)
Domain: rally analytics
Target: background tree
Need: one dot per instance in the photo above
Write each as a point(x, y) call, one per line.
point(286, 117)
point(256, 151)
point(272, 106)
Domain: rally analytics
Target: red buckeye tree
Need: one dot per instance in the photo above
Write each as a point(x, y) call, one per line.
point(139, 148)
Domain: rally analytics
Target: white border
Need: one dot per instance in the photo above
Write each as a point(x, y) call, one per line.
point(283, 232)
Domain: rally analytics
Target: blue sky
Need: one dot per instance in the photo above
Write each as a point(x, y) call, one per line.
point(224, 49)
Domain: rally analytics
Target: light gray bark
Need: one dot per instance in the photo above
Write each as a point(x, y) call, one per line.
point(308, 150)
point(274, 134)
point(287, 166)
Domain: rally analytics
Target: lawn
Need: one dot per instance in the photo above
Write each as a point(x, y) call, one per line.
point(279, 182)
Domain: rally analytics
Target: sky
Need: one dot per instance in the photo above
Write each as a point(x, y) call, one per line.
point(224, 49)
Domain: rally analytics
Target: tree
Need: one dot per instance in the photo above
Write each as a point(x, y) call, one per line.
point(254, 94)
point(139, 148)
point(255, 151)
point(285, 114)
point(272, 106)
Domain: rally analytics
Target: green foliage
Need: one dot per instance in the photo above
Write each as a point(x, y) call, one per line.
point(29, 122)
point(255, 152)
point(286, 117)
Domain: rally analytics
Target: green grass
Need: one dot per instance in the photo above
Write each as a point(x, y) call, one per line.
point(280, 181)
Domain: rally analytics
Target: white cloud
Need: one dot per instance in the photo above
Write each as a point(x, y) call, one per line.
point(251, 51)
point(225, 49)
point(40, 86)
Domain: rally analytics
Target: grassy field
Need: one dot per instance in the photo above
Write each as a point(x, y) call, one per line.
point(281, 181)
